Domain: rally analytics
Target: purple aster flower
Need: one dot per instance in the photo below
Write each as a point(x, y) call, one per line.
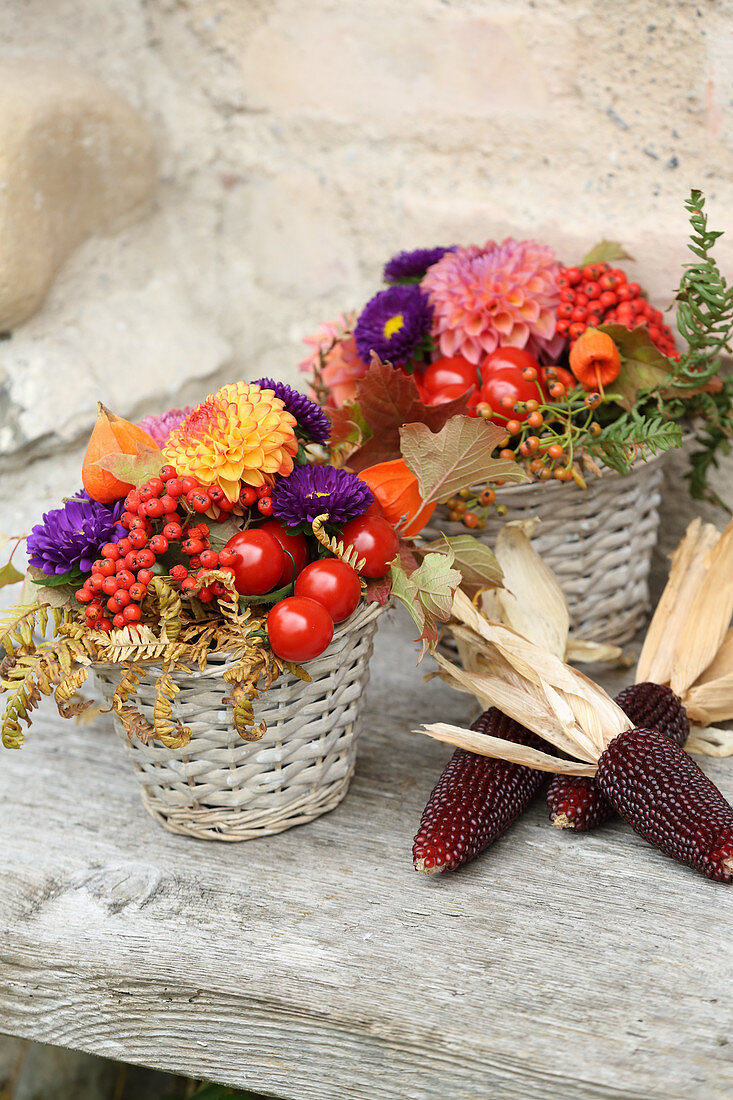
point(160, 427)
point(394, 324)
point(312, 490)
point(409, 267)
point(310, 417)
point(72, 537)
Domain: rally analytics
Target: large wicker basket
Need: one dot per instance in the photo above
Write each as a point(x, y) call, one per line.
point(220, 787)
point(598, 543)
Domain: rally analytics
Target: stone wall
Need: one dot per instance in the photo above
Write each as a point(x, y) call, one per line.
point(299, 145)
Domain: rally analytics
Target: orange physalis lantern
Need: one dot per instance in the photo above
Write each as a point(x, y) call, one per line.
point(395, 487)
point(595, 360)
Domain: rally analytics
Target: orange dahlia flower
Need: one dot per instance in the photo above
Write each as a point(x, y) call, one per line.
point(238, 434)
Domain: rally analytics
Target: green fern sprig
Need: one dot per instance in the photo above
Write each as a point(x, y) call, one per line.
point(705, 301)
point(620, 442)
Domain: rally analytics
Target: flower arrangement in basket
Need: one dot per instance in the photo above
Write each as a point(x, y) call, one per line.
point(212, 554)
point(578, 371)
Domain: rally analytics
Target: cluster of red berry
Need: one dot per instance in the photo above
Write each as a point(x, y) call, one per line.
point(118, 584)
point(598, 294)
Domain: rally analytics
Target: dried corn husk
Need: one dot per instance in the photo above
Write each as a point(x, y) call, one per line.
point(690, 565)
point(532, 686)
point(505, 750)
point(709, 618)
point(531, 601)
point(710, 741)
point(689, 644)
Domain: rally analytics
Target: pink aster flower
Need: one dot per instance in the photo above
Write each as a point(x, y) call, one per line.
point(496, 296)
point(342, 365)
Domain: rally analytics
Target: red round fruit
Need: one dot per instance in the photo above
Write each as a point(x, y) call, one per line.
point(299, 629)
point(453, 371)
point(248, 496)
point(153, 508)
point(209, 559)
point(188, 484)
point(375, 540)
point(110, 550)
point(132, 613)
point(263, 490)
point(119, 621)
point(260, 563)
point(167, 473)
point(264, 506)
point(508, 358)
point(144, 576)
point(334, 584)
point(294, 543)
point(501, 391)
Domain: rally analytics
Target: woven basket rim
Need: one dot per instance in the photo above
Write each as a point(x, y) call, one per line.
point(217, 662)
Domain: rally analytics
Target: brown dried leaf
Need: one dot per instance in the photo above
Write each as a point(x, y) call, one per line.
point(388, 399)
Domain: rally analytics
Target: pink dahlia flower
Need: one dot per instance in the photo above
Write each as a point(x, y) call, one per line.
point(161, 426)
point(343, 366)
point(499, 295)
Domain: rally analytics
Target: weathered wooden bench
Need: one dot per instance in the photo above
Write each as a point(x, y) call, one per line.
point(318, 965)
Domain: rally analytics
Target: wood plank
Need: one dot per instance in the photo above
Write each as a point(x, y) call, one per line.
point(318, 965)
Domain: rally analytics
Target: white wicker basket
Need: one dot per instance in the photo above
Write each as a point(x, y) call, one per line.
point(220, 787)
point(598, 543)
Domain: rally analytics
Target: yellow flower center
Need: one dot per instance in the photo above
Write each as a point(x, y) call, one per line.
point(310, 496)
point(393, 325)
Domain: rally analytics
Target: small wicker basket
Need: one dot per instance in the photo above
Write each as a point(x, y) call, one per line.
point(598, 543)
point(220, 787)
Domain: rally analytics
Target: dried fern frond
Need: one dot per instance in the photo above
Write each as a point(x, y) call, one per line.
point(169, 730)
point(68, 702)
point(345, 553)
point(133, 722)
point(168, 606)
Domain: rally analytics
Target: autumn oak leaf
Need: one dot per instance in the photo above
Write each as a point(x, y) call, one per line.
point(455, 457)
point(389, 399)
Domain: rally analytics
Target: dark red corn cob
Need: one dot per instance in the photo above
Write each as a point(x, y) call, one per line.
point(576, 802)
point(663, 795)
point(476, 799)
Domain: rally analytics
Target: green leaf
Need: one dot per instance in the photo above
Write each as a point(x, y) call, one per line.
point(457, 456)
point(473, 559)
point(427, 593)
point(57, 580)
point(220, 533)
point(9, 574)
point(643, 367)
point(133, 469)
point(347, 425)
point(605, 252)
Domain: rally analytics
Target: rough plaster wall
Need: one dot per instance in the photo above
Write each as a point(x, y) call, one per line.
point(301, 144)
